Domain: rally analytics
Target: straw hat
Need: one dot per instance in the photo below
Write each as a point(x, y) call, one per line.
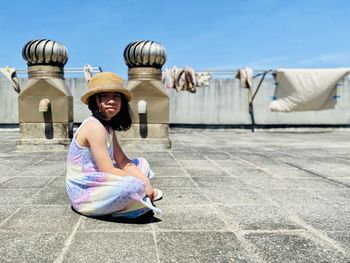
point(105, 82)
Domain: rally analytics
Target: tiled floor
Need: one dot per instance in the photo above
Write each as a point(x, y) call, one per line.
point(228, 197)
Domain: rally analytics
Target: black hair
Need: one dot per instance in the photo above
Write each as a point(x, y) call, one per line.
point(120, 122)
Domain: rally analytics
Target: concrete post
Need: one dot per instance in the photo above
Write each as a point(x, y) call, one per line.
point(45, 103)
point(150, 104)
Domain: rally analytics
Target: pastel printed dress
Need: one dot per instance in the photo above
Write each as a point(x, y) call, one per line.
point(94, 193)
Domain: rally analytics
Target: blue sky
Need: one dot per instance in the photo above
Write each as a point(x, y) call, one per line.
point(218, 34)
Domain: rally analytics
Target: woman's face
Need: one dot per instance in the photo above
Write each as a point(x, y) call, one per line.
point(109, 104)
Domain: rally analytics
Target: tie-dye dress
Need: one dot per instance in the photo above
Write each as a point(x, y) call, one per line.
point(95, 193)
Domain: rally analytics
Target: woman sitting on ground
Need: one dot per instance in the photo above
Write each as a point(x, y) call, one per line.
point(101, 180)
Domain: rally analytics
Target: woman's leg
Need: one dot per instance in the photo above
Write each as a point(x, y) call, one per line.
point(144, 166)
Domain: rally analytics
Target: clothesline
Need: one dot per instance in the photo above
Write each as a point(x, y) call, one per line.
point(66, 70)
point(214, 72)
point(228, 71)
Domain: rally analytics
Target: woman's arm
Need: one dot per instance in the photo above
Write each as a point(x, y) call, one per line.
point(119, 155)
point(126, 165)
point(95, 136)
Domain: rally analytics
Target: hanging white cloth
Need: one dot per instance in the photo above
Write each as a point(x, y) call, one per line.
point(87, 69)
point(245, 75)
point(203, 78)
point(10, 74)
point(306, 89)
point(185, 79)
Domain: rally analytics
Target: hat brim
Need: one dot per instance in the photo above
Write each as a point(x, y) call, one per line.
point(92, 91)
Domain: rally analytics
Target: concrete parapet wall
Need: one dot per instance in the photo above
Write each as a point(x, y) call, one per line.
point(223, 102)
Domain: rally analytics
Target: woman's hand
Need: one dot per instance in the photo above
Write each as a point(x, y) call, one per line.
point(133, 170)
point(149, 191)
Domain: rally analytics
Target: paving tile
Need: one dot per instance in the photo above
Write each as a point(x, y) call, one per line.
point(257, 217)
point(219, 182)
point(196, 163)
point(57, 157)
point(327, 171)
point(42, 219)
point(5, 178)
point(233, 196)
point(266, 182)
point(54, 160)
point(27, 161)
point(8, 170)
point(59, 181)
point(36, 247)
point(264, 161)
point(338, 196)
point(133, 154)
point(5, 158)
point(112, 247)
point(290, 198)
point(317, 183)
point(51, 196)
point(235, 163)
point(16, 196)
point(205, 172)
point(325, 217)
point(290, 247)
point(342, 238)
point(55, 170)
point(153, 155)
point(202, 149)
point(170, 162)
point(344, 180)
point(109, 224)
point(181, 196)
point(158, 157)
point(192, 217)
point(26, 182)
point(289, 173)
point(171, 182)
point(243, 173)
point(6, 211)
point(185, 155)
point(175, 145)
point(200, 247)
point(169, 171)
point(218, 156)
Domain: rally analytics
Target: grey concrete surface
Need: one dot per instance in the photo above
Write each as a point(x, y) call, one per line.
point(229, 196)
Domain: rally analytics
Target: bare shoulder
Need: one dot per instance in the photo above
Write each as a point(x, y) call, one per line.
point(94, 126)
point(90, 131)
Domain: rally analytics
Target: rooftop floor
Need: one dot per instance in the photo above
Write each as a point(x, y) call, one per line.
point(229, 196)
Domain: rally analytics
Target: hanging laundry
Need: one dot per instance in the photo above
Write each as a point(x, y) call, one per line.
point(306, 89)
point(184, 79)
point(87, 69)
point(193, 76)
point(10, 74)
point(245, 75)
point(203, 78)
point(168, 79)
